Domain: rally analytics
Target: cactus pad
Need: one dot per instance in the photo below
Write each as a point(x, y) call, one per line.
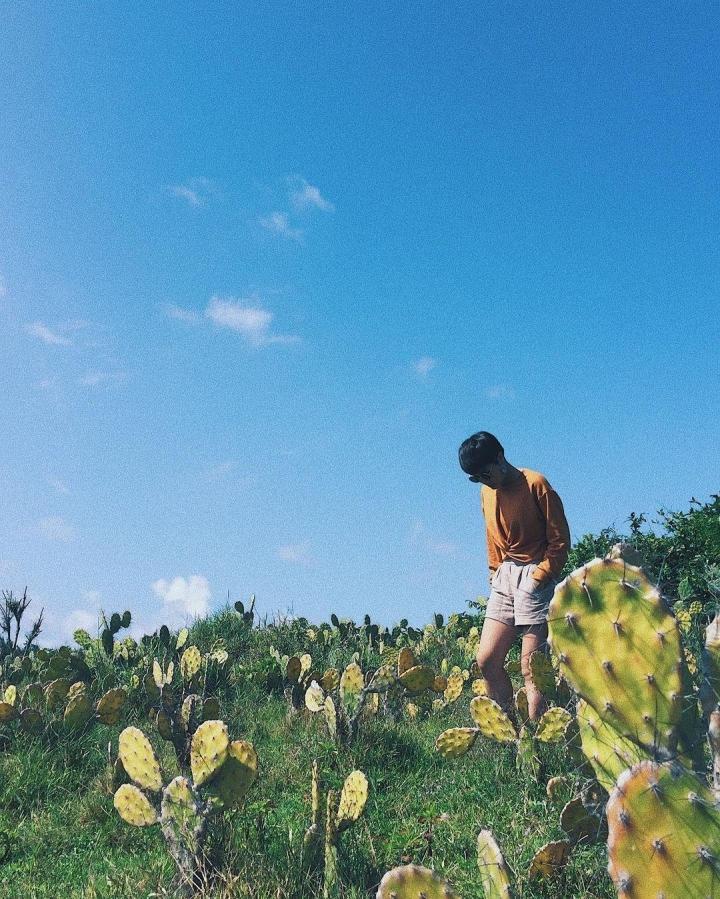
point(330, 680)
point(406, 660)
point(31, 721)
point(351, 686)
point(191, 712)
point(237, 775)
point(549, 860)
point(608, 752)
point(181, 813)
point(551, 727)
point(439, 684)
point(139, 759)
point(208, 750)
point(417, 678)
point(454, 688)
point(331, 716)
point(619, 648)
point(352, 799)
point(76, 689)
point(8, 712)
point(32, 694)
point(456, 741)
point(521, 705)
point(492, 720)
point(10, 695)
point(292, 669)
point(190, 663)
point(133, 806)
point(315, 697)
point(111, 705)
point(78, 711)
point(383, 678)
point(664, 834)
point(158, 676)
point(56, 691)
point(494, 873)
point(164, 725)
point(479, 687)
point(580, 824)
point(710, 689)
point(414, 882)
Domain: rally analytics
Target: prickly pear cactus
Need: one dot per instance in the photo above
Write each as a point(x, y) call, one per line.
point(608, 752)
point(456, 741)
point(492, 720)
point(494, 873)
point(134, 807)
point(352, 800)
point(139, 759)
point(664, 834)
point(618, 646)
point(208, 751)
point(414, 882)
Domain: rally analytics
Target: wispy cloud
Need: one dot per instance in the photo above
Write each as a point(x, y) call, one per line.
point(296, 553)
point(59, 486)
point(95, 378)
point(42, 332)
point(279, 223)
point(500, 392)
point(251, 322)
point(184, 597)
point(183, 315)
point(305, 196)
point(196, 191)
point(423, 366)
point(422, 537)
point(56, 528)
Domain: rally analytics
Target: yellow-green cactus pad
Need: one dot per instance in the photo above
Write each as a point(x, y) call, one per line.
point(190, 663)
point(383, 678)
point(456, 741)
point(56, 691)
point(211, 709)
point(78, 711)
point(330, 680)
point(551, 727)
point(494, 873)
point(208, 750)
point(76, 689)
point(542, 673)
point(10, 695)
point(414, 882)
point(134, 807)
point(351, 686)
point(352, 799)
point(8, 712)
point(237, 775)
point(619, 647)
point(479, 687)
point(139, 759)
point(31, 721)
point(158, 675)
point(191, 712)
point(292, 669)
point(181, 812)
point(664, 834)
point(331, 716)
point(417, 678)
point(182, 638)
point(556, 787)
point(521, 705)
point(580, 824)
point(608, 752)
point(549, 860)
point(492, 720)
point(406, 660)
point(305, 664)
point(315, 697)
point(454, 688)
point(111, 705)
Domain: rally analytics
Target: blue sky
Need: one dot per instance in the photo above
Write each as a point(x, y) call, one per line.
point(264, 266)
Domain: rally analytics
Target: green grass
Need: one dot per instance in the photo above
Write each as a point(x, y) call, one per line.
point(67, 840)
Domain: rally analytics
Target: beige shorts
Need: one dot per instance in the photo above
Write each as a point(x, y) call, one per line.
point(516, 597)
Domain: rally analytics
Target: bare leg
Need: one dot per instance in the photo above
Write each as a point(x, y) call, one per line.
point(495, 642)
point(534, 638)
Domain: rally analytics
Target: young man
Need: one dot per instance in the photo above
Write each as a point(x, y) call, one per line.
point(528, 541)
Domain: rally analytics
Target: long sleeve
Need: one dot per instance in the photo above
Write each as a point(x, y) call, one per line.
point(557, 534)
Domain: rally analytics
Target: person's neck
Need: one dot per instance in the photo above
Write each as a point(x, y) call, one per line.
point(512, 476)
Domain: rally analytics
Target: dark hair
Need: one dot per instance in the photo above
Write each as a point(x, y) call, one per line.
point(478, 451)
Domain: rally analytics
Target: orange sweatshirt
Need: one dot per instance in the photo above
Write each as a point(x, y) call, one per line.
point(526, 522)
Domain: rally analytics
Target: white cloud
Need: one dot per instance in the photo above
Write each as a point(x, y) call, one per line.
point(278, 223)
point(422, 537)
point(307, 196)
point(94, 378)
point(59, 486)
point(56, 528)
point(183, 315)
point(80, 618)
point(424, 365)
point(251, 322)
point(41, 331)
point(296, 553)
point(183, 598)
point(500, 392)
point(196, 191)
